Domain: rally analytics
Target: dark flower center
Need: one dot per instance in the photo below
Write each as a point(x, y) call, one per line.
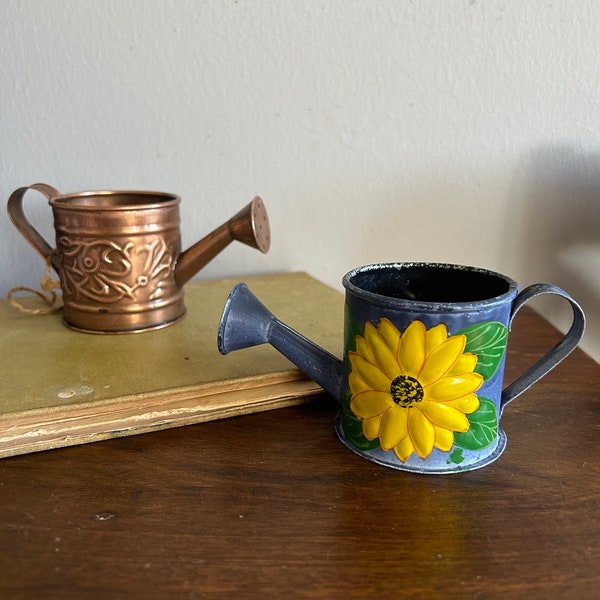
point(406, 390)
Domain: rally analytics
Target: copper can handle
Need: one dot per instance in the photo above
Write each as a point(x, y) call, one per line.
point(30, 233)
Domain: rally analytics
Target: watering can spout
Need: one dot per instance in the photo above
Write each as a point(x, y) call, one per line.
point(249, 226)
point(247, 322)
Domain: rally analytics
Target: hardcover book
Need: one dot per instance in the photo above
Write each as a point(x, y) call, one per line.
point(61, 387)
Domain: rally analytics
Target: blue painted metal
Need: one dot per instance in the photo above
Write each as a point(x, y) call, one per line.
point(455, 295)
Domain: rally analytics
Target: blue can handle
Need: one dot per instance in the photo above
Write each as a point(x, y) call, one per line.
point(557, 354)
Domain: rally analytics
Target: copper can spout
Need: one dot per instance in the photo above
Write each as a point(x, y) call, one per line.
point(249, 226)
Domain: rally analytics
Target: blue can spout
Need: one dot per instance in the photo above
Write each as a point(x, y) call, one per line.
point(246, 322)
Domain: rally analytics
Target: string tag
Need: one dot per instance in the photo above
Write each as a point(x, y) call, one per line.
point(47, 294)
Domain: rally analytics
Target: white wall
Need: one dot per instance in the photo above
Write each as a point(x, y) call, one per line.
point(458, 131)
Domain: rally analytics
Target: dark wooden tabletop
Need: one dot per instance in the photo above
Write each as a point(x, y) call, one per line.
point(272, 505)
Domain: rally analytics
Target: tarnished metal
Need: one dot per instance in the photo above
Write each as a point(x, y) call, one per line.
point(119, 258)
point(424, 343)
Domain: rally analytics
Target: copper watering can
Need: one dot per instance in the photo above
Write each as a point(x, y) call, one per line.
point(119, 258)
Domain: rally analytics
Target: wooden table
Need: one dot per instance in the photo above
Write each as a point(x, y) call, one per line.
point(271, 505)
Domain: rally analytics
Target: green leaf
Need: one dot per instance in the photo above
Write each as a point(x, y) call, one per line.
point(483, 429)
point(351, 424)
point(488, 341)
point(354, 328)
point(456, 457)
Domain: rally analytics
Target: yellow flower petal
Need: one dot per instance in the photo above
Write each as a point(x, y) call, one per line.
point(356, 384)
point(371, 427)
point(465, 364)
point(362, 349)
point(453, 387)
point(421, 432)
point(390, 334)
point(369, 372)
point(370, 403)
point(382, 355)
point(441, 359)
point(411, 353)
point(443, 415)
point(444, 439)
point(404, 449)
point(467, 404)
point(394, 427)
point(435, 336)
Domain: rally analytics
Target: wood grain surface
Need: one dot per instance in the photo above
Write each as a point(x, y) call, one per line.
point(271, 505)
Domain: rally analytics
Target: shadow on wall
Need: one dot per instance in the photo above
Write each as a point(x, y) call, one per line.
point(556, 221)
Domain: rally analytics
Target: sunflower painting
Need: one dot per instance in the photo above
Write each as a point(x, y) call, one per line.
point(417, 390)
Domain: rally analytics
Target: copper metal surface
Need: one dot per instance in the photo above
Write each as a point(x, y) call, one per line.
point(118, 254)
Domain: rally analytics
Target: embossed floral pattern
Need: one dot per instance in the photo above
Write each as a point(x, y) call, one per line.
point(105, 271)
point(413, 390)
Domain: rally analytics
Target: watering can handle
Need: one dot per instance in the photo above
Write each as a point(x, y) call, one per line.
point(31, 234)
point(554, 356)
